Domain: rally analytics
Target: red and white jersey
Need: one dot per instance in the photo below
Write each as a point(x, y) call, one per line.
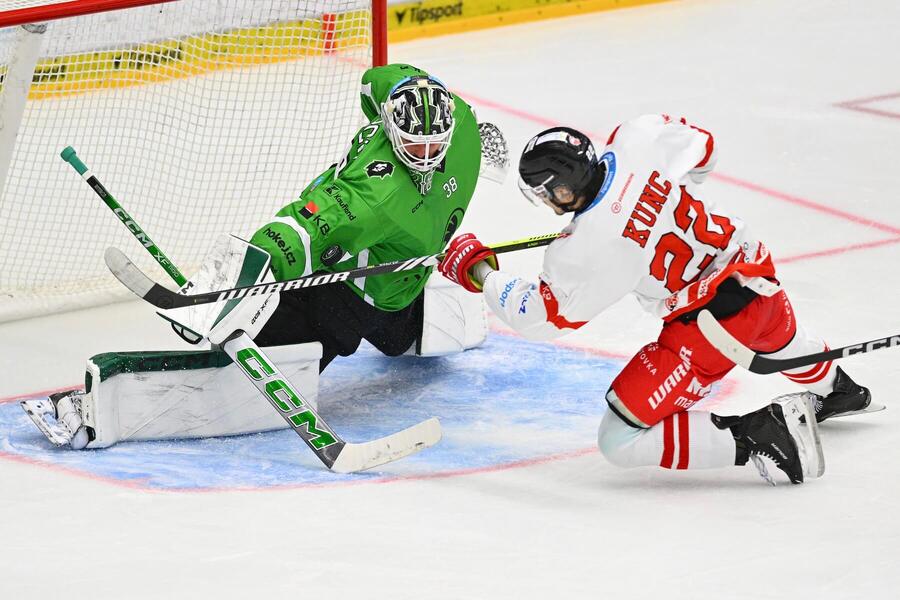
point(648, 232)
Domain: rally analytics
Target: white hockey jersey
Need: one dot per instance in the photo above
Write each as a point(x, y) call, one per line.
point(646, 232)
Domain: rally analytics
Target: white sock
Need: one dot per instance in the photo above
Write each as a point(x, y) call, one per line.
point(686, 440)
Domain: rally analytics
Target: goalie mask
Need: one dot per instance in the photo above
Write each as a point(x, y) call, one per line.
point(559, 168)
point(418, 117)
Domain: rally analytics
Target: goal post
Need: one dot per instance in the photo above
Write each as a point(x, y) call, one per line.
point(203, 117)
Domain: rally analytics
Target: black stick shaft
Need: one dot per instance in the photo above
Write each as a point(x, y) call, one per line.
point(69, 155)
point(164, 298)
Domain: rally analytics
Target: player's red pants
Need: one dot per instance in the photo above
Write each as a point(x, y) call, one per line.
point(676, 371)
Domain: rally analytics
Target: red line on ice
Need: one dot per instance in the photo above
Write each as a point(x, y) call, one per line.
point(858, 105)
point(789, 198)
point(39, 393)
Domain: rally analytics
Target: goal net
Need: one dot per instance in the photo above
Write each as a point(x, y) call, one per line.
point(201, 117)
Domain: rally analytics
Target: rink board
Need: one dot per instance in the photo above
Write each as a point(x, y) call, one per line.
point(510, 402)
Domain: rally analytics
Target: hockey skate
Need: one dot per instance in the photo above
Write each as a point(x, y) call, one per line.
point(59, 418)
point(848, 398)
point(783, 432)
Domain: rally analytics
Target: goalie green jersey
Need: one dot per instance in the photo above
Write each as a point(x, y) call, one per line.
point(366, 209)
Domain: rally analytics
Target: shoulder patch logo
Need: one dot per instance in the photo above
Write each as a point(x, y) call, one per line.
point(379, 168)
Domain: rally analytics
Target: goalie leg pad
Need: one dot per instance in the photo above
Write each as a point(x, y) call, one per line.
point(198, 394)
point(453, 319)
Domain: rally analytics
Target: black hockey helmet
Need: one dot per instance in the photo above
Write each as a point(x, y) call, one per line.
point(559, 167)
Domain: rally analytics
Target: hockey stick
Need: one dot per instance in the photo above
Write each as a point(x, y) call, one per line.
point(334, 452)
point(69, 155)
point(162, 297)
point(741, 355)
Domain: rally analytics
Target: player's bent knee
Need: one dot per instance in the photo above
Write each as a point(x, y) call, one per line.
point(615, 438)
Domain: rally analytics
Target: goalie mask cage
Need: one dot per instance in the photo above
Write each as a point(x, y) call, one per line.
point(202, 117)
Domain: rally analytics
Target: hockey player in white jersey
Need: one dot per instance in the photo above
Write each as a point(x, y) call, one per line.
point(640, 226)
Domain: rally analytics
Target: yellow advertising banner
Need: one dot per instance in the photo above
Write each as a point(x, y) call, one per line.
point(410, 20)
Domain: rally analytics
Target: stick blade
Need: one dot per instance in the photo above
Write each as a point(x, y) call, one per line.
point(359, 457)
point(137, 281)
point(125, 271)
point(723, 341)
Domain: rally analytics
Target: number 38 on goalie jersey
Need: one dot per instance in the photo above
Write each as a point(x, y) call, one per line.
point(648, 231)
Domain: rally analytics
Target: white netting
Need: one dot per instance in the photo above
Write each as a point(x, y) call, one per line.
point(201, 117)
point(6, 5)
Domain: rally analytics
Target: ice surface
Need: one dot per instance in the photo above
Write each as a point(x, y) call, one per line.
point(780, 85)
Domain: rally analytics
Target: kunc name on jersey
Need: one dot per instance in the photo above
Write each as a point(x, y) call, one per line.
point(645, 210)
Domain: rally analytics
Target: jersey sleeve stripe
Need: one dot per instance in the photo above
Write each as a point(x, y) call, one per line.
point(304, 239)
point(710, 145)
point(551, 305)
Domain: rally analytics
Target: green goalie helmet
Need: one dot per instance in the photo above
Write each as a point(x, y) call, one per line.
point(418, 117)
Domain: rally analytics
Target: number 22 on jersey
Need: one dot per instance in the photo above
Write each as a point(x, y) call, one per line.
point(694, 222)
point(676, 249)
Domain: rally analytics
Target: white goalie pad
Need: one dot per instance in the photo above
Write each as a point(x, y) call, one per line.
point(196, 394)
point(232, 262)
point(454, 319)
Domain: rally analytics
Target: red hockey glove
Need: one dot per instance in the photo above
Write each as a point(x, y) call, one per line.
point(463, 254)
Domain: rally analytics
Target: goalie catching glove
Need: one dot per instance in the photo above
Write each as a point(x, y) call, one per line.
point(467, 262)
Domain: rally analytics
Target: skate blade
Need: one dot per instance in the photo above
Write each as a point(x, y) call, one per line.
point(871, 408)
point(799, 415)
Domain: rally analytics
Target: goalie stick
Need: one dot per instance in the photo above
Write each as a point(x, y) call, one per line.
point(162, 297)
point(69, 155)
point(335, 453)
point(741, 355)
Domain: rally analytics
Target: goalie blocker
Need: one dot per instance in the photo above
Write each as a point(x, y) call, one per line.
point(196, 394)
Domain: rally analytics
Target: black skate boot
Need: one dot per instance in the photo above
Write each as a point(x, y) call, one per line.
point(847, 398)
point(776, 432)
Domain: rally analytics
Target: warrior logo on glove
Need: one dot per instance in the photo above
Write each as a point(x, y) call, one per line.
point(462, 258)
